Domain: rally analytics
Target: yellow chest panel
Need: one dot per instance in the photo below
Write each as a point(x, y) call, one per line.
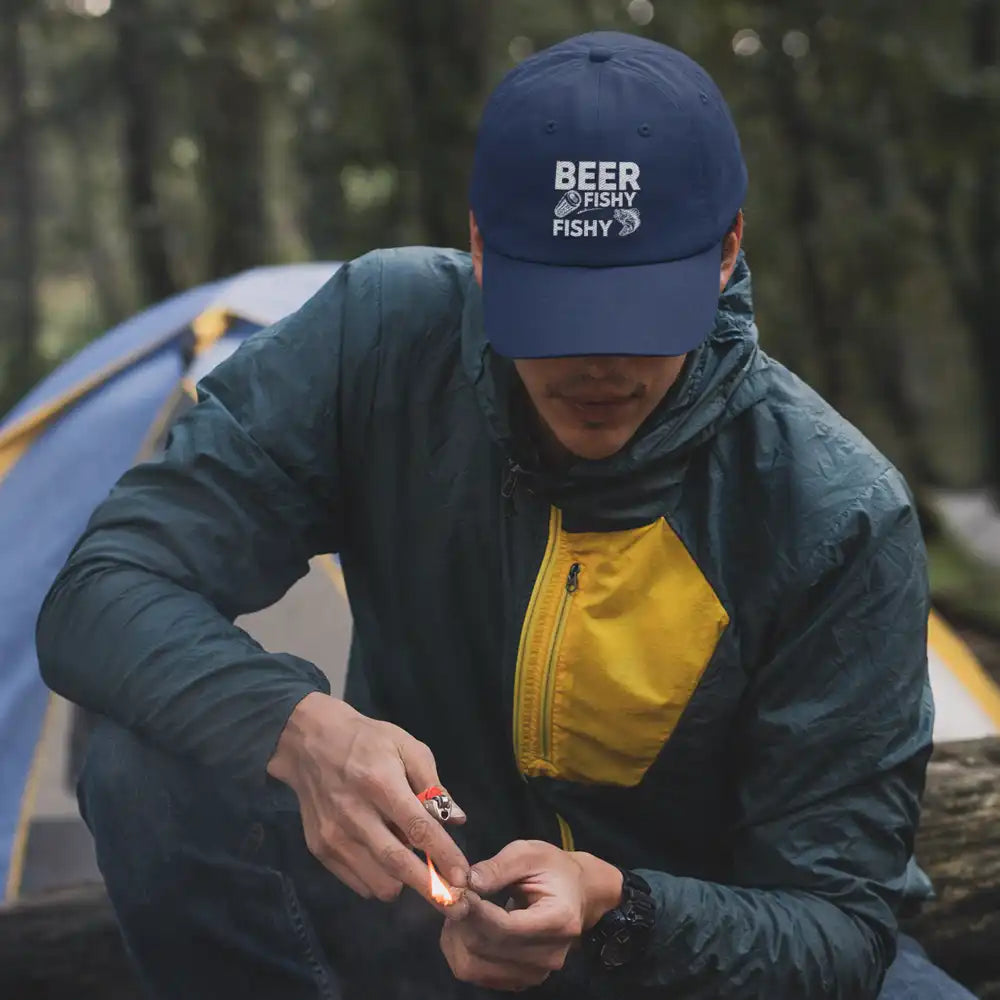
point(619, 630)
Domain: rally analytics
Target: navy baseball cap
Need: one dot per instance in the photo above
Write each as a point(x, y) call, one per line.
point(607, 172)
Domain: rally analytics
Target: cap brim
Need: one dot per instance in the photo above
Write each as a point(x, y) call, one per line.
point(546, 311)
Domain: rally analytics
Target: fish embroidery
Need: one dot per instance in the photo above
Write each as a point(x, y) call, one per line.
point(629, 219)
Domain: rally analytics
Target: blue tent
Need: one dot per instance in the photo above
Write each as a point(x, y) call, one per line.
point(64, 446)
point(62, 449)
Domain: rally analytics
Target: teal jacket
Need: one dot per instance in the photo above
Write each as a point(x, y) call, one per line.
point(703, 658)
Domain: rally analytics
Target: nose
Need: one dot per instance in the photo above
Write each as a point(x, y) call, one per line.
point(600, 366)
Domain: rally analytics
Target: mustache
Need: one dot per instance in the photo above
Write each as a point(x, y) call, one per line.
point(614, 384)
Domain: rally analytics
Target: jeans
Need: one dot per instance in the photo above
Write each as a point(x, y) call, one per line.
point(218, 896)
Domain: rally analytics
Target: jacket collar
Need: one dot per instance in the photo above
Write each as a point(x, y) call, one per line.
point(703, 399)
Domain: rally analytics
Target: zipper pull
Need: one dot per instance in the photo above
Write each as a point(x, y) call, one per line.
point(510, 482)
point(573, 579)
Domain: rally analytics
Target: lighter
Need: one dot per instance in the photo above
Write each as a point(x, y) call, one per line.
point(437, 802)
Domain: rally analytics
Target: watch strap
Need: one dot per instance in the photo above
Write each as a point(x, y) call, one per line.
point(622, 935)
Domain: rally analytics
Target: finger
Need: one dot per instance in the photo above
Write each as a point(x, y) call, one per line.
point(390, 791)
point(421, 770)
point(383, 885)
point(326, 841)
point(547, 920)
point(418, 760)
point(329, 858)
point(514, 863)
point(506, 976)
point(457, 910)
point(403, 866)
point(396, 858)
point(364, 866)
point(454, 912)
point(548, 952)
point(347, 877)
point(487, 972)
point(420, 830)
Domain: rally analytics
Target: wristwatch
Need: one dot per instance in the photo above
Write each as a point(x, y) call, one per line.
point(622, 934)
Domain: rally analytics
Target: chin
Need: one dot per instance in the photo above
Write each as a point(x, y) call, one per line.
point(593, 446)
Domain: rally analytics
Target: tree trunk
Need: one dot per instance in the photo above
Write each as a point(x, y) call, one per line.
point(113, 298)
point(805, 207)
point(984, 311)
point(231, 115)
point(324, 208)
point(136, 73)
point(21, 318)
point(320, 162)
point(888, 348)
point(959, 847)
point(442, 49)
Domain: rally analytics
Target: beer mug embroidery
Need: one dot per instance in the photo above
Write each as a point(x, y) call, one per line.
point(568, 204)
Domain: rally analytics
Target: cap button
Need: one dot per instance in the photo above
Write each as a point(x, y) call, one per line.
point(600, 54)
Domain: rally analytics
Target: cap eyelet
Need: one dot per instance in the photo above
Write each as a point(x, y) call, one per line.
point(550, 127)
point(644, 130)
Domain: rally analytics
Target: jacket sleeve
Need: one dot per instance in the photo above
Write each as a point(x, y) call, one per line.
point(833, 746)
point(138, 624)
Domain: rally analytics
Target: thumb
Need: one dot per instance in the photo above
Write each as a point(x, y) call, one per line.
point(514, 863)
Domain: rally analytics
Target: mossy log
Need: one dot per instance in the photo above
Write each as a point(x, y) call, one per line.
point(958, 845)
point(66, 944)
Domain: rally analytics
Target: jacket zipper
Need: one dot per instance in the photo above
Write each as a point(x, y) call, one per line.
point(566, 838)
point(521, 739)
point(571, 586)
point(509, 487)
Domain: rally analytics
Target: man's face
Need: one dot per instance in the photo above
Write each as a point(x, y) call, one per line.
point(592, 406)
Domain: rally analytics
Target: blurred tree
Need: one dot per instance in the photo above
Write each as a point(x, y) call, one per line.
point(978, 292)
point(87, 218)
point(984, 307)
point(947, 111)
point(136, 68)
point(313, 83)
point(230, 71)
point(178, 142)
point(87, 268)
point(441, 49)
point(835, 241)
point(802, 135)
point(19, 291)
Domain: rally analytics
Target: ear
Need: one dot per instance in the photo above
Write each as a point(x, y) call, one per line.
point(476, 246)
point(730, 251)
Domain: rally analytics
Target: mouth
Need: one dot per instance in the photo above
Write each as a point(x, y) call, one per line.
point(600, 411)
point(599, 400)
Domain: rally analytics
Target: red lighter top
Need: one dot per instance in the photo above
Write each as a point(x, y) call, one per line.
point(430, 793)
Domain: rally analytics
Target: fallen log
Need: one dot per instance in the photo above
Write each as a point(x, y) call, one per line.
point(66, 945)
point(958, 845)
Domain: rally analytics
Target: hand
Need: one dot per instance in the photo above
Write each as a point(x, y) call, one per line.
point(557, 895)
point(357, 781)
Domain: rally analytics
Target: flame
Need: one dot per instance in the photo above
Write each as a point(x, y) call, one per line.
point(440, 893)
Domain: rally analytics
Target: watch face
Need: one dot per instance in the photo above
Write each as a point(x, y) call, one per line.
point(617, 949)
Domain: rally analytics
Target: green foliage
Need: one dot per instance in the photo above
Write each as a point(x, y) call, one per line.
point(962, 583)
point(322, 128)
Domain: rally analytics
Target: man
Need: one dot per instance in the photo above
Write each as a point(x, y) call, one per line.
point(647, 608)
